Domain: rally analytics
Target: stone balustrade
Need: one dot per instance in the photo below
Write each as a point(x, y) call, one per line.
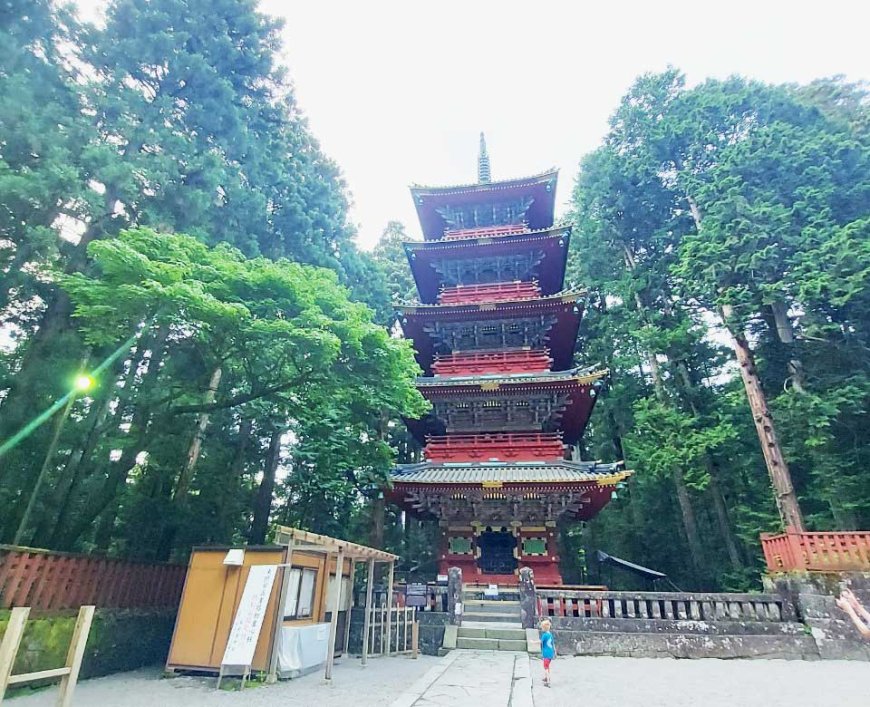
point(680, 606)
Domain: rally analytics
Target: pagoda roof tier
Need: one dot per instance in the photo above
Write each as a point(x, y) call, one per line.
point(534, 255)
point(537, 191)
point(522, 402)
point(520, 491)
point(550, 322)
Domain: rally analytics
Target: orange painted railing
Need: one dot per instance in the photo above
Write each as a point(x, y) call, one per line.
point(502, 447)
point(491, 292)
point(487, 231)
point(817, 552)
point(50, 581)
point(477, 363)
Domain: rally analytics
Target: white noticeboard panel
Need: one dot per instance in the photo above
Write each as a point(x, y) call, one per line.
point(249, 617)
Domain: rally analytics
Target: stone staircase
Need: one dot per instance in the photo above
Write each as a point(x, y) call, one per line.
point(490, 623)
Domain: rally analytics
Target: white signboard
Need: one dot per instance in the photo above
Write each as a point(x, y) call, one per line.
point(249, 616)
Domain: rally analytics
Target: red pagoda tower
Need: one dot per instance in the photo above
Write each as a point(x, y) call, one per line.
point(494, 332)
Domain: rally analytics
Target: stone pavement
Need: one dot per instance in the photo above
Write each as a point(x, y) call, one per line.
point(501, 679)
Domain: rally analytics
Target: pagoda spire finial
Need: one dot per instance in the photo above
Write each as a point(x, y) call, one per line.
point(484, 176)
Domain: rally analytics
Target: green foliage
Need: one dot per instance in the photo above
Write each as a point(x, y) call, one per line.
point(729, 193)
point(177, 117)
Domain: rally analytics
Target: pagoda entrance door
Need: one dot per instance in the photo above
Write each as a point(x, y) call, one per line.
point(497, 551)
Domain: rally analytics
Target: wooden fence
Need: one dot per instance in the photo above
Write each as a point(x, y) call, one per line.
point(817, 552)
point(52, 581)
point(435, 596)
point(663, 605)
point(399, 621)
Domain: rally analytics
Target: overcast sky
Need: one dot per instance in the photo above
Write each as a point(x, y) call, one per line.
point(397, 92)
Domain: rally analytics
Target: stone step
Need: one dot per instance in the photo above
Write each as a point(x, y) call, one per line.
point(491, 607)
point(513, 617)
point(510, 645)
point(504, 634)
point(483, 644)
point(490, 644)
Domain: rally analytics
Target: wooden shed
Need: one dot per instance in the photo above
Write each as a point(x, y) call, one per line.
point(305, 587)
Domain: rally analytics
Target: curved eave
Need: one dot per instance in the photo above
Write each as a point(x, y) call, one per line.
point(486, 381)
point(596, 493)
point(509, 474)
point(477, 187)
point(582, 394)
point(573, 294)
point(532, 236)
point(560, 340)
point(541, 188)
point(550, 272)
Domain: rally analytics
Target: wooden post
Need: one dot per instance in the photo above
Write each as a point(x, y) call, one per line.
point(383, 628)
point(349, 605)
point(367, 621)
point(390, 610)
point(415, 638)
point(278, 623)
point(9, 646)
point(336, 605)
point(75, 654)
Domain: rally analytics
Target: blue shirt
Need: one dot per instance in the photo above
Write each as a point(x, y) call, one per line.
point(548, 645)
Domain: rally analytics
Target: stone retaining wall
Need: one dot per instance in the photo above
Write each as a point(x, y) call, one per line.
point(795, 618)
point(814, 596)
point(119, 640)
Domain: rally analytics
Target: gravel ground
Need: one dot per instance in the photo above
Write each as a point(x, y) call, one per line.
point(379, 683)
point(662, 682)
point(481, 679)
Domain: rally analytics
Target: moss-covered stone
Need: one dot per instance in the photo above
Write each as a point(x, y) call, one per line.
point(119, 640)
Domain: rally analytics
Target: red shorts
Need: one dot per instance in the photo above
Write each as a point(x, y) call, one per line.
point(547, 663)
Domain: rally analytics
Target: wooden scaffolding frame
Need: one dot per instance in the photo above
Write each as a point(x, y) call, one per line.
point(69, 673)
point(294, 540)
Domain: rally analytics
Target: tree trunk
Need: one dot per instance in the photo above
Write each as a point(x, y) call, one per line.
point(263, 502)
point(785, 333)
point(780, 477)
point(690, 525)
point(57, 509)
point(721, 510)
point(186, 475)
point(23, 399)
point(104, 502)
point(378, 510)
point(19, 403)
point(230, 487)
point(688, 394)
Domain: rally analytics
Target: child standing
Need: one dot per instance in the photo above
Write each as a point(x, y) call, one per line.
point(548, 649)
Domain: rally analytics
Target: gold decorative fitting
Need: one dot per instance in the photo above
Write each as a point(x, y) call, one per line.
point(490, 385)
point(612, 479)
point(492, 484)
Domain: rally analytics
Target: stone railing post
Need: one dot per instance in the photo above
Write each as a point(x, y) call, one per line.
point(528, 598)
point(454, 595)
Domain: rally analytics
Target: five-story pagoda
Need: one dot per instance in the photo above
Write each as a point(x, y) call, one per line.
point(494, 333)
